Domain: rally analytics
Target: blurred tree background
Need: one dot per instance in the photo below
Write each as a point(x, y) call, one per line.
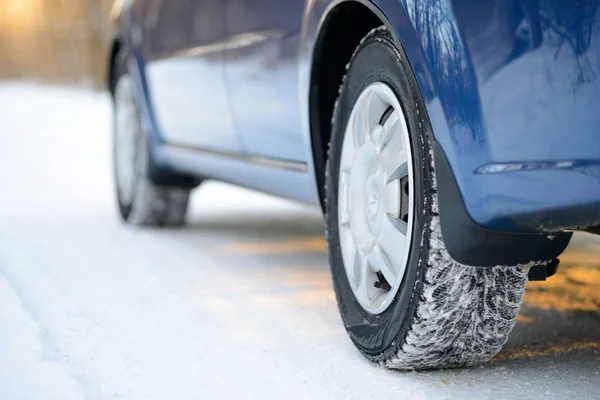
point(62, 41)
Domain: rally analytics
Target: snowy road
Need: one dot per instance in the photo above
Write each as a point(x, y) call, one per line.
point(238, 304)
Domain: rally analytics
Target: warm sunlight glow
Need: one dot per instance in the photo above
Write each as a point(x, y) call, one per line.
point(20, 14)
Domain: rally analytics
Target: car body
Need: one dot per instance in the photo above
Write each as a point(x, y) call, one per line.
point(511, 98)
point(498, 103)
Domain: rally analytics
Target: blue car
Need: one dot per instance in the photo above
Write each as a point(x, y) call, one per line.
point(453, 145)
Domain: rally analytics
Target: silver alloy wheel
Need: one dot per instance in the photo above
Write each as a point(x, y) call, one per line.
point(127, 139)
point(375, 198)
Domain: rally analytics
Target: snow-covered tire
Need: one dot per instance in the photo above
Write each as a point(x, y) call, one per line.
point(156, 206)
point(444, 315)
point(146, 195)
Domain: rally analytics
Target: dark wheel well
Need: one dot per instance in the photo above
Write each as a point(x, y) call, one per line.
point(340, 35)
point(114, 51)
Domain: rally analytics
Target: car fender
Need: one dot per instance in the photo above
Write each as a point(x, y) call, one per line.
point(451, 100)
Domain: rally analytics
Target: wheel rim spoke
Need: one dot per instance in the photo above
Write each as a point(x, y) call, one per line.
point(361, 274)
point(360, 124)
point(393, 189)
point(348, 149)
point(393, 237)
point(380, 261)
point(344, 216)
point(399, 170)
point(392, 199)
point(368, 114)
point(387, 131)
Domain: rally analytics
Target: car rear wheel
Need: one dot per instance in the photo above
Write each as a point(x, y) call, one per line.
point(141, 199)
point(404, 302)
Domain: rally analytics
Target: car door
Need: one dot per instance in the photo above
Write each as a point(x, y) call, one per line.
point(261, 74)
point(182, 46)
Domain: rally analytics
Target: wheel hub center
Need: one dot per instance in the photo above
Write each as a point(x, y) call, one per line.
point(366, 183)
point(372, 192)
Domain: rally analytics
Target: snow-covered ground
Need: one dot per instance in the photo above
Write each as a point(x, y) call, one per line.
point(238, 304)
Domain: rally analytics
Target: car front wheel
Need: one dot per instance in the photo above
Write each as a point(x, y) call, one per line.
point(404, 302)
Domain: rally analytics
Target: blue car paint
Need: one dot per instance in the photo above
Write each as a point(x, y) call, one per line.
point(262, 79)
point(514, 101)
point(507, 84)
point(182, 83)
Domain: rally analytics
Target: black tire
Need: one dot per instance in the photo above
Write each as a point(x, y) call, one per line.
point(159, 197)
point(444, 314)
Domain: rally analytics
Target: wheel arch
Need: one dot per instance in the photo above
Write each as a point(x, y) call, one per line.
point(115, 43)
point(339, 33)
point(115, 48)
point(455, 122)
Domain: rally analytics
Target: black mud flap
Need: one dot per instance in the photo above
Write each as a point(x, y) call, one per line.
point(470, 244)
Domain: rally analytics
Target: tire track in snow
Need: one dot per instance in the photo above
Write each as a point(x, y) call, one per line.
point(27, 368)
